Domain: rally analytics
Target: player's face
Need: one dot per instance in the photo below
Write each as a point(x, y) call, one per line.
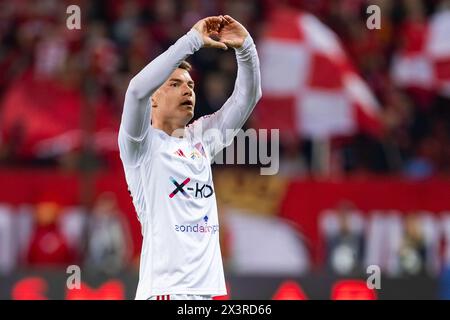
point(175, 99)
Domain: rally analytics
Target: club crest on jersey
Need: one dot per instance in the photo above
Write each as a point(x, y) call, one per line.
point(200, 149)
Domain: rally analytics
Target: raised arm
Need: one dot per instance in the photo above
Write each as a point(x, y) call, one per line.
point(133, 133)
point(247, 89)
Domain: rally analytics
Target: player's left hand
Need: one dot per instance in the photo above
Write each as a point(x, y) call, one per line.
point(232, 33)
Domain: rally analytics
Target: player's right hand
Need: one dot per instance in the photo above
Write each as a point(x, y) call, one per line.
point(209, 28)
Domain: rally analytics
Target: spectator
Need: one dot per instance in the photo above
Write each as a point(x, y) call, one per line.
point(412, 254)
point(108, 240)
point(48, 247)
point(422, 165)
point(344, 241)
point(8, 247)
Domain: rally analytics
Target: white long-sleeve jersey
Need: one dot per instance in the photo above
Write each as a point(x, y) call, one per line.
point(170, 178)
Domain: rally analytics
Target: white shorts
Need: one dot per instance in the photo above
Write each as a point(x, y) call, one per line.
point(181, 297)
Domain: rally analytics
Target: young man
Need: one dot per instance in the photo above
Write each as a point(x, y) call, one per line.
point(168, 165)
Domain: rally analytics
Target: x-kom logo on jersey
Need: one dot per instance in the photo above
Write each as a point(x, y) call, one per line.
point(179, 187)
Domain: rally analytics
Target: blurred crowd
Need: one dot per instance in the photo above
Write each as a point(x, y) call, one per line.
point(400, 245)
point(99, 238)
point(48, 235)
point(416, 121)
point(61, 90)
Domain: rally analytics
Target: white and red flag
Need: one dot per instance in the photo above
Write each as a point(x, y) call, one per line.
point(310, 88)
point(423, 61)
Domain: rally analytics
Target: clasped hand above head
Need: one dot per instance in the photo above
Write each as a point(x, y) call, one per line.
point(221, 32)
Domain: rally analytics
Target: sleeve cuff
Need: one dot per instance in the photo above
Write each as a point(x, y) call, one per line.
point(248, 43)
